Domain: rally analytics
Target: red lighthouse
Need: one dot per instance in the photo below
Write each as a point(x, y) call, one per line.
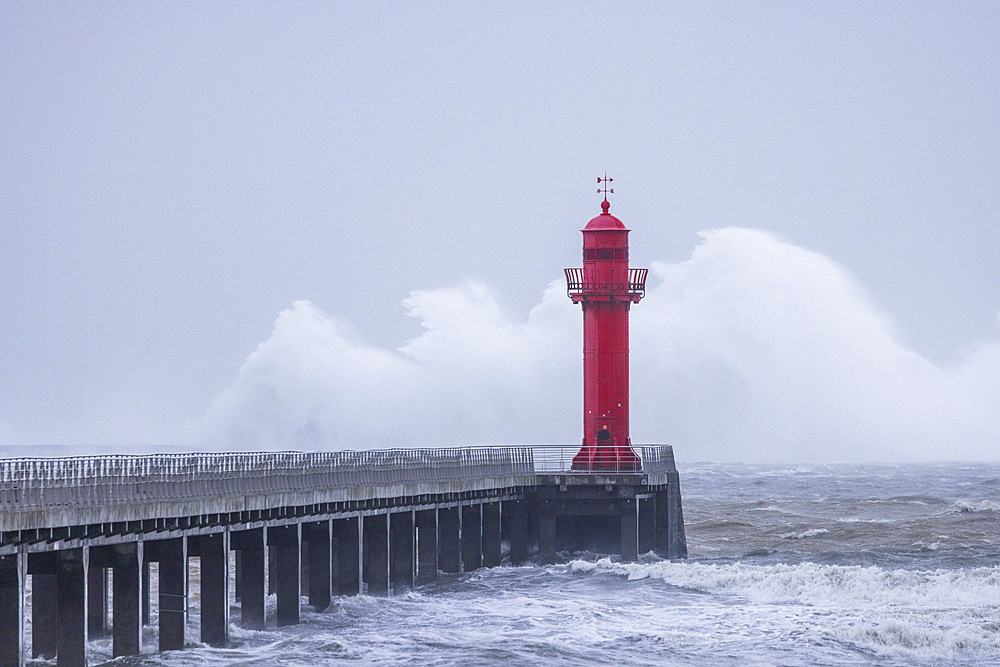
point(606, 287)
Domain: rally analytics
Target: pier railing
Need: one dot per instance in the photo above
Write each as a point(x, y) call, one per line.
point(28, 484)
point(39, 492)
point(559, 460)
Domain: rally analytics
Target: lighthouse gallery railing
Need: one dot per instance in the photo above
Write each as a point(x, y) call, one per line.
point(580, 280)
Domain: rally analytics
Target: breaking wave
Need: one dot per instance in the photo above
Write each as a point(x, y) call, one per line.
point(818, 584)
point(930, 615)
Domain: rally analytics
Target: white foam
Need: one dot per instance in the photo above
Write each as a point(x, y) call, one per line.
point(974, 506)
point(819, 584)
point(812, 532)
point(930, 615)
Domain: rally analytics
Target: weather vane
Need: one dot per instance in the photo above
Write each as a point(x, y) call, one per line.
point(605, 189)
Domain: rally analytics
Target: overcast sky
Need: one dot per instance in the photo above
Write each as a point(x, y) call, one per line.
point(344, 224)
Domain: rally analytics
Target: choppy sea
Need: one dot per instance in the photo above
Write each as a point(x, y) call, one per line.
point(789, 565)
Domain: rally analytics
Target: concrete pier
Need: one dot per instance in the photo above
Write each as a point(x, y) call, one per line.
point(319, 524)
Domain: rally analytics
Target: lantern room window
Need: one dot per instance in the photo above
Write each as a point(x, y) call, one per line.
point(590, 254)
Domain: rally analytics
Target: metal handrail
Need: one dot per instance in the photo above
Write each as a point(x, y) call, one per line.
point(37, 483)
point(559, 459)
point(28, 484)
point(583, 280)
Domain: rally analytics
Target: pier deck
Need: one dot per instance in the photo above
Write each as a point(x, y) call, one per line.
point(316, 524)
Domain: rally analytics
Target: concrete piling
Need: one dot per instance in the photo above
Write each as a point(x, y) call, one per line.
point(251, 580)
point(286, 541)
point(71, 607)
point(376, 553)
point(348, 540)
point(472, 537)
point(401, 551)
point(491, 534)
point(13, 580)
point(318, 534)
point(173, 583)
point(647, 523)
point(127, 599)
point(427, 546)
point(449, 549)
point(214, 552)
point(514, 519)
point(97, 601)
point(44, 619)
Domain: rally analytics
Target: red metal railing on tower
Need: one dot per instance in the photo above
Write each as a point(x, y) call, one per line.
point(583, 281)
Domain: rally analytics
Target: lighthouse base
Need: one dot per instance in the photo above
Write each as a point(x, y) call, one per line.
point(607, 459)
point(618, 513)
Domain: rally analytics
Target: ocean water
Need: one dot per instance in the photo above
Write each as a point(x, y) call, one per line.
point(789, 565)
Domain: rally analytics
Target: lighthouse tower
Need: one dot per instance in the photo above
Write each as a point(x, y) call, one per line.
point(606, 287)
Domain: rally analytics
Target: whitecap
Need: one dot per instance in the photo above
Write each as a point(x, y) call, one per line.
point(812, 532)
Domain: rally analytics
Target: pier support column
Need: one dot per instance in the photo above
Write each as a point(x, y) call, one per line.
point(348, 539)
point(676, 541)
point(272, 569)
point(13, 577)
point(376, 568)
point(97, 601)
point(427, 546)
point(317, 536)
point(145, 592)
point(629, 531)
point(449, 550)
point(127, 599)
point(214, 551)
point(670, 539)
point(472, 537)
point(491, 534)
point(286, 541)
point(401, 537)
point(173, 580)
point(238, 575)
point(514, 519)
point(647, 524)
point(304, 562)
point(44, 617)
point(251, 564)
point(546, 536)
point(71, 606)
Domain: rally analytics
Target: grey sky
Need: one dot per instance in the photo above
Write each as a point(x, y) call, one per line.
point(174, 175)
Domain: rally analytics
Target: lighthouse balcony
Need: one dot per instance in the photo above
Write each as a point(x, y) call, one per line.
point(582, 283)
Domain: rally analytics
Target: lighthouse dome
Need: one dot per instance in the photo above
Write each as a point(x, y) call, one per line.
point(605, 220)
